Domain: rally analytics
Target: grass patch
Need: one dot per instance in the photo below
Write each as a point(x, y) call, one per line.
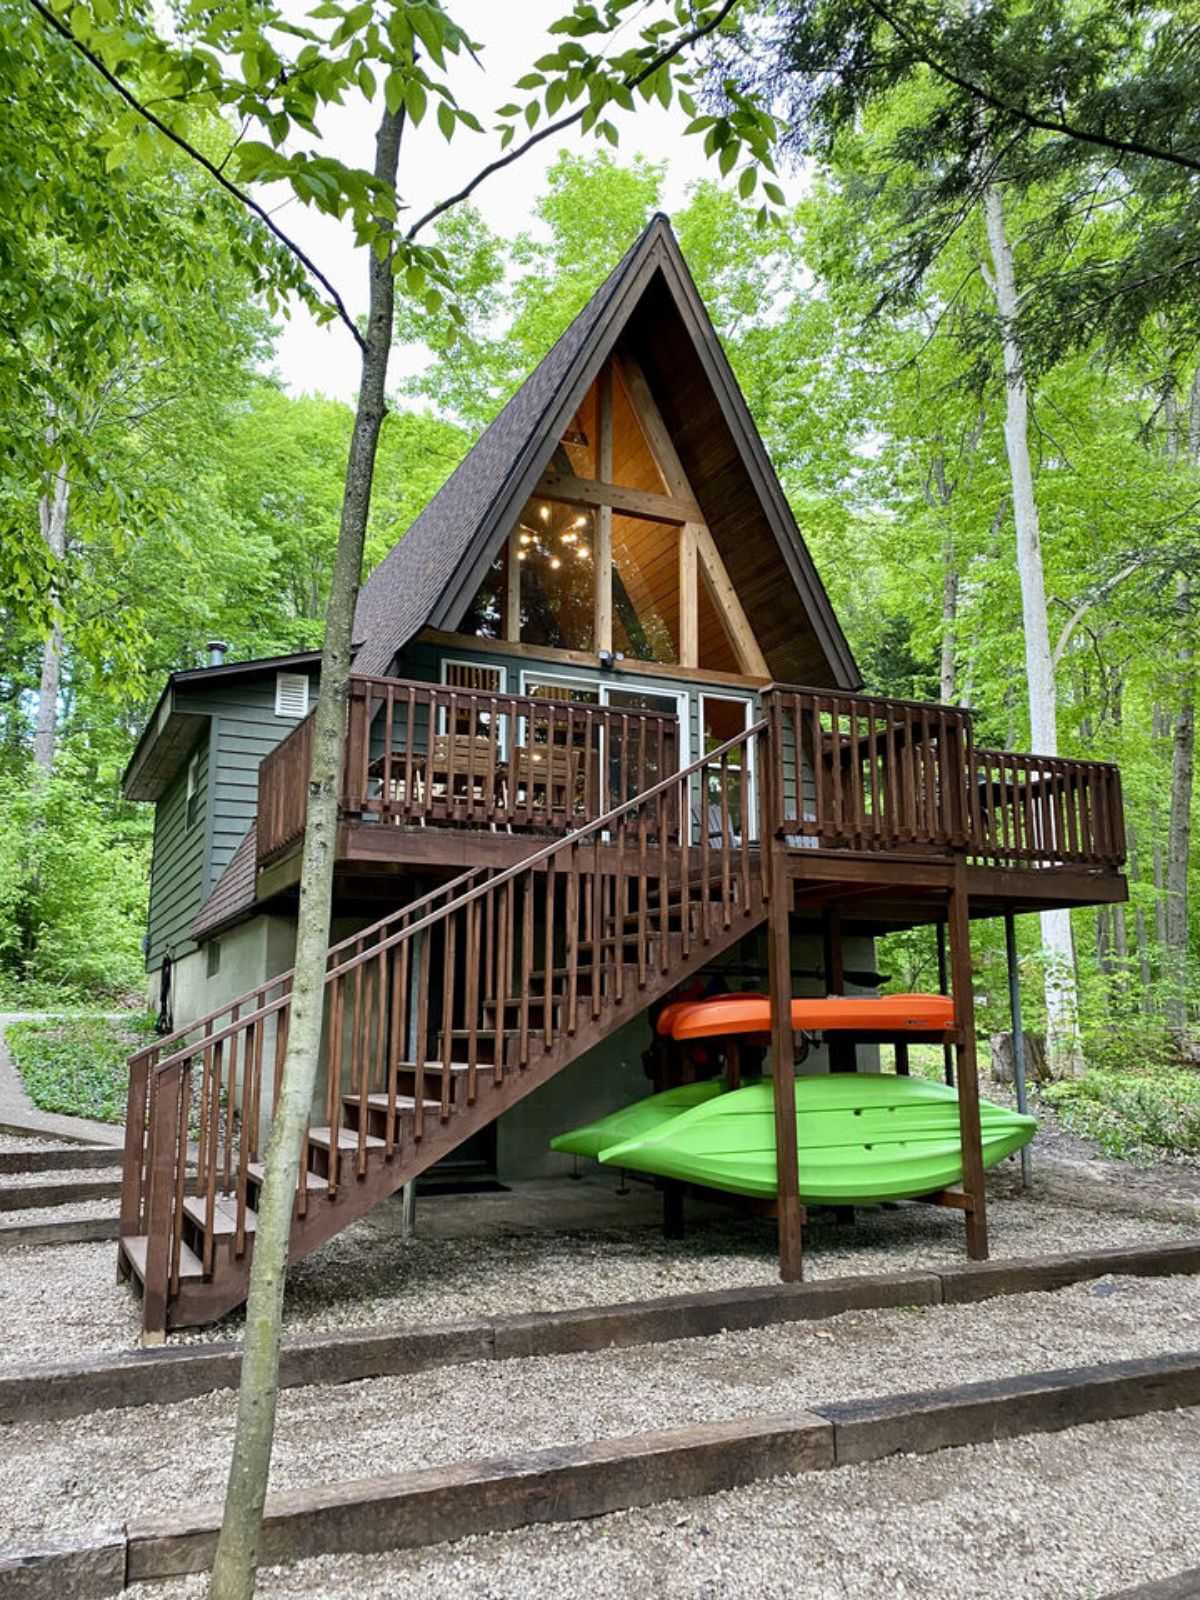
point(1133, 1115)
point(77, 1066)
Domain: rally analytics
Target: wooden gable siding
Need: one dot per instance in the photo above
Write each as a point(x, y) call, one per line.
point(718, 471)
point(177, 872)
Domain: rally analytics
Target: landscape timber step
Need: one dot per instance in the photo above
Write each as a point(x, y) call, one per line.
point(134, 1247)
point(47, 1391)
point(27, 1196)
point(569, 1482)
point(63, 1158)
point(63, 1230)
point(195, 1207)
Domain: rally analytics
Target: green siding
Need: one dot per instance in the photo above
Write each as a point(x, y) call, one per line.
point(245, 729)
point(187, 862)
point(177, 881)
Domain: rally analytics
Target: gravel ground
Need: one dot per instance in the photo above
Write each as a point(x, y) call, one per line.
point(370, 1275)
point(1030, 1518)
point(97, 1470)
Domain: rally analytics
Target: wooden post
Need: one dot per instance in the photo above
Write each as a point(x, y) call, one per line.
point(603, 553)
point(779, 947)
point(968, 1077)
point(672, 1209)
point(944, 988)
point(689, 597)
point(843, 1055)
point(512, 590)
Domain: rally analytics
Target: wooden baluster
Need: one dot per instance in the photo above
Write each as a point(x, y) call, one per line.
point(230, 1109)
point(620, 890)
point(744, 816)
point(410, 720)
point(596, 882)
point(683, 791)
point(548, 961)
point(891, 778)
point(664, 881)
point(835, 756)
point(572, 913)
point(449, 986)
point(726, 846)
point(702, 778)
point(249, 1052)
point(333, 1085)
point(216, 1080)
point(398, 1048)
point(857, 818)
point(642, 816)
point(421, 1049)
point(472, 956)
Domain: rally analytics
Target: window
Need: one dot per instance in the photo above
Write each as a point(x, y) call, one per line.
point(475, 719)
point(558, 580)
point(213, 960)
point(192, 804)
point(291, 694)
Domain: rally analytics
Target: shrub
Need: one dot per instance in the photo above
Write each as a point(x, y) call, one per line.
point(77, 1066)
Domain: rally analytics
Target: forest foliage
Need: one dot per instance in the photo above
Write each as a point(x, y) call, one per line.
point(135, 344)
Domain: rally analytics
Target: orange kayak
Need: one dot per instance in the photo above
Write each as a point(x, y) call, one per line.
point(751, 1013)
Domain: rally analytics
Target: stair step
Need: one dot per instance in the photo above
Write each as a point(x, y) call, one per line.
point(136, 1246)
point(347, 1138)
point(379, 1102)
point(257, 1172)
point(224, 1215)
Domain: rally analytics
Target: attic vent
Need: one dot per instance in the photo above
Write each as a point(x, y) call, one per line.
point(291, 694)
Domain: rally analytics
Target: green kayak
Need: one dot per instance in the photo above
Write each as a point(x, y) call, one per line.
point(862, 1137)
point(635, 1121)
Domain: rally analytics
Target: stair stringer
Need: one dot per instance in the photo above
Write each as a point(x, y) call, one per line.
point(204, 1301)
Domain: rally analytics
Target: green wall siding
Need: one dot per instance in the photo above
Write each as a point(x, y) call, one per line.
point(177, 881)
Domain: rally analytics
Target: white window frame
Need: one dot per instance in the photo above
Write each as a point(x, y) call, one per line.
point(292, 678)
point(502, 689)
point(751, 753)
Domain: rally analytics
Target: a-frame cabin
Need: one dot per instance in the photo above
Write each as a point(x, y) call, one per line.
point(604, 740)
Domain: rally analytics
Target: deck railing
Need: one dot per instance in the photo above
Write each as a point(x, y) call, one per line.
point(1037, 811)
point(421, 753)
point(860, 772)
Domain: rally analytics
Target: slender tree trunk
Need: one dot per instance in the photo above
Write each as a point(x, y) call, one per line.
point(52, 519)
point(947, 677)
point(1179, 822)
point(1183, 750)
point(237, 1551)
point(1061, 1003)
point(1141, 936)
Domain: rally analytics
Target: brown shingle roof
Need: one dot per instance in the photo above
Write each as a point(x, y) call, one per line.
point(430, 576)
point(233, 896)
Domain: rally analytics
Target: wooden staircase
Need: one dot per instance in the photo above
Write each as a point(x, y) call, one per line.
point(436, 1021)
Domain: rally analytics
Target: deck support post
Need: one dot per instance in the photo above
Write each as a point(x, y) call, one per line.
point(783, 1051)
point(672, 1194)
point(968, 1075)
point(944, 988)
point(1014, 1002)
point(843, 1055)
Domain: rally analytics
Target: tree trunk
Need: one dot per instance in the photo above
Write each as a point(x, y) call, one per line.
point(947, 676)
point(1061, 1006)
point(52, 519)
point(237, 1550)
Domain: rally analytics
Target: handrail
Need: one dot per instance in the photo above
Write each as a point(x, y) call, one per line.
point(238, 1001)
point(569, 841)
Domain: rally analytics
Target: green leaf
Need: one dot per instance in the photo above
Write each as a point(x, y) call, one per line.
point(445, 119)
point(747, 181)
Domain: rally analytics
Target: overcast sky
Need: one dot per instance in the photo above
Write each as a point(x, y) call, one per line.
point(513, 35)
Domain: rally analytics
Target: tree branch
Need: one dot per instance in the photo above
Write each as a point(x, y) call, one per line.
point(240, 195)
point(1092, 600)
point(1033, 119)
point(631, 82)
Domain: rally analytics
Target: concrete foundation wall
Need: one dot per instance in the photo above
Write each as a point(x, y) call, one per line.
point(249, 954)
